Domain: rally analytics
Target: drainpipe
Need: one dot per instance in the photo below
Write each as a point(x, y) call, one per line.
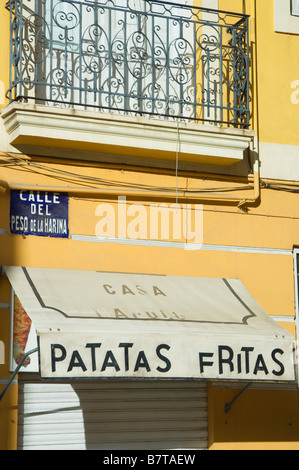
point(256, 186)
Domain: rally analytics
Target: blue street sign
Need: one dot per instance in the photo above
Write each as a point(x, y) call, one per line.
point(41, 213)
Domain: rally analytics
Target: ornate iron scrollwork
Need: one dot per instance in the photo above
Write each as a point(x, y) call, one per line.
point(132, 56)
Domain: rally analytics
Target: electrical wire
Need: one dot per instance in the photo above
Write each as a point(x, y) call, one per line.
point(90, 182)
point(29, 165)
point(280, 187)
point(87, 180)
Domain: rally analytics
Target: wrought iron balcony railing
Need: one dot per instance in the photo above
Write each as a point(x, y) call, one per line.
point(137, 57)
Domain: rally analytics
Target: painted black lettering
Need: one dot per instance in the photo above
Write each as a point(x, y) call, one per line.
point(152, 315)
point(108, 289)
point(178, 316)
point(127, 290)
point(239, 363)
point(247, 350)
point(158, 291)
point(93, 347)
point(126, 347)
point(163, 358)
point(228, 360)
point(202, 362)
point(110, 361)
point(260, 365)
point(141, 291)
point(76, 361)
point(141, 362)
point(119, 314)
point(55, 358)
point(273, 354)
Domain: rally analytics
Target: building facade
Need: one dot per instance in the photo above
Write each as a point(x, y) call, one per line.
point(149, 224)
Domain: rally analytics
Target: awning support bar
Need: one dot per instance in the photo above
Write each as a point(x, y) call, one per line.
point(228, 406)
point(16, 371)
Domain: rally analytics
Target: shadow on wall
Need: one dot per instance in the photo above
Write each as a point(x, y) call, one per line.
point(259, 419)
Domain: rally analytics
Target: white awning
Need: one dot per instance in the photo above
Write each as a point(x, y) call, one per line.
point(100, 324)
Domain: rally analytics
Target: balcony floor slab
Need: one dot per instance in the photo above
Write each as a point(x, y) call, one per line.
point(65, 132)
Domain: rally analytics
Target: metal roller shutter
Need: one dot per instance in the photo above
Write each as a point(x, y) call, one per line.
point(111, 414)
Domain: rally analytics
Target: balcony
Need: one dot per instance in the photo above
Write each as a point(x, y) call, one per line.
point(123, 60)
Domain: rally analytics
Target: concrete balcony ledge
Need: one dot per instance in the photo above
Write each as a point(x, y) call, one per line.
point(99, 136)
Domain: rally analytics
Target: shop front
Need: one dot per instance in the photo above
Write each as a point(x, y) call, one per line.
point(123, 360)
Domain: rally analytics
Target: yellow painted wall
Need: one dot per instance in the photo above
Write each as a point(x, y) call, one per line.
point(258, 420)
point(274, 223)
point(275, 71)
point(8, 405)
point(274, 116)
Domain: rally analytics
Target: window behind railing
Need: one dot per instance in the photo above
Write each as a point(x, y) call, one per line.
point(295, 7)
point(135, 57)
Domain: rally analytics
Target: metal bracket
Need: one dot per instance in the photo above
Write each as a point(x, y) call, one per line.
point(16, 371)
point(228, 406)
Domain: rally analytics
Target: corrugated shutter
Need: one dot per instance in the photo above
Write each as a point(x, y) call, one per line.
point(111, 414)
